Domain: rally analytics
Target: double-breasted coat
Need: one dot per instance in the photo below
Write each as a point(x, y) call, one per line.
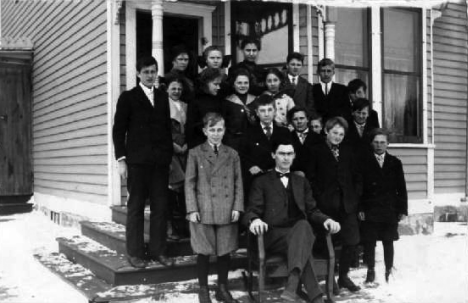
point(213, 184)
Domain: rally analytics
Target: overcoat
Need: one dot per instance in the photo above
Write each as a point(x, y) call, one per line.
point(384, 189)
point(213, 184)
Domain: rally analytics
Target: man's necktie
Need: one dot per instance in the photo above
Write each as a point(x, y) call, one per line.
point(361, 129)
point(380, 159)
point(336, 152)
point(268, 131)
point(302, 136)
point(216, 150)
point(326, 89)
point(293, 81)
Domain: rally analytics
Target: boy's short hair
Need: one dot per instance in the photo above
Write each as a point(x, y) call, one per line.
point(294, 110)
point(356, 84)
point(280, 141)
point(325, 62)
point(295, 55)
point(378, 131)
point(211, 118)
point(145, 62)
point(263, 100)
point(360, 104)
point(250, 40)
point(316, 116)
point(332, 122)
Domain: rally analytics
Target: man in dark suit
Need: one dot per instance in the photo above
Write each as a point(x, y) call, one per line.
point(256, 150)
point(143, 147)
point(360, 127)
point(357, 89)
point(303, 138)
point(297, 87)
point(337, 184)
point(281, 207)
point(250, 48)
point(330, 98)
point(384, 202)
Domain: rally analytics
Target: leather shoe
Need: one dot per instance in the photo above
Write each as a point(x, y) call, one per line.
point(204, 295)
point(370, 276)
point(223, 294)
point(165, 261)
point(289, 296)
point(137, 262)
point(345, 282)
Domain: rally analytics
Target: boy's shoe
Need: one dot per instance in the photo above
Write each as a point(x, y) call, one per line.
point(137, 262)
point(204, 295)
point(370, 276)
point(388, 272)
point(223, 294)
point(345, 282)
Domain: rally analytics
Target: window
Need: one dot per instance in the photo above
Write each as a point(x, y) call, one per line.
point(352, 45)
point(401, 74)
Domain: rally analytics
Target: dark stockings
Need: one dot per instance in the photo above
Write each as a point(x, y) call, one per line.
point(203, 267)
point(388, 254)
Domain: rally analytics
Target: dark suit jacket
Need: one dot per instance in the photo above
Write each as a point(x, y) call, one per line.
point(256, 148)
point(337, 185)
point(301, 94)
point(268, 201)
point(384, 189)
point(141, 132)
point(336, 103)
point(358, 143)
point(303, 149)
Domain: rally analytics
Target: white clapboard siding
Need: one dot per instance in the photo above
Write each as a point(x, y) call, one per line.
point(450, 97)
point(69, 93)
point(415, 168)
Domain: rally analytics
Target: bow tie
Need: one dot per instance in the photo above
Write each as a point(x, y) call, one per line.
point(281, 175)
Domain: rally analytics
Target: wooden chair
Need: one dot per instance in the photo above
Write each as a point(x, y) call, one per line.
point(275, 266)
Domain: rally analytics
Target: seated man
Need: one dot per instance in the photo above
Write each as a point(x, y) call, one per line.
point(281, 207)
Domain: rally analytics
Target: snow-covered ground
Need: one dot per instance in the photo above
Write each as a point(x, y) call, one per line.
point(429, 268)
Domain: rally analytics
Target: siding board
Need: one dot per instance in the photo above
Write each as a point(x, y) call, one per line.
point(450, 96)
point(69, 93)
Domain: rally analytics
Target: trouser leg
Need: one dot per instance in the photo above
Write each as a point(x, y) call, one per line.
point(158, 192)
point(388, 254)
point(345, 259)
point(369, 251)
point(137, 185)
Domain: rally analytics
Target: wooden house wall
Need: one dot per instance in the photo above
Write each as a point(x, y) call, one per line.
point(304, 47)
point(451, 96)
point(69, 94)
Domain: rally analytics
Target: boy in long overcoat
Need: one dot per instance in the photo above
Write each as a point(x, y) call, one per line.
point(214, 199)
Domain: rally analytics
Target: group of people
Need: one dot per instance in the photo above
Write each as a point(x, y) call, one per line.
point(262, 149)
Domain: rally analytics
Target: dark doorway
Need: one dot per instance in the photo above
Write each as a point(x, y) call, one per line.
point(177, 31)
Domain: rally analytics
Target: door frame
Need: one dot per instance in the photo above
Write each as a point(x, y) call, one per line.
point(202, 12)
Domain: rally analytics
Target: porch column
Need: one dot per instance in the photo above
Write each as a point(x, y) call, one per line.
point(330, 23)
point(157, 45)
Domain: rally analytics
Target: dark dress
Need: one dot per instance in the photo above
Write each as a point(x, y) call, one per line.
point(384, 198)
point(239, 116)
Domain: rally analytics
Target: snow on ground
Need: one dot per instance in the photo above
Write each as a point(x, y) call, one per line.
point(22, 278)
point(429, 268)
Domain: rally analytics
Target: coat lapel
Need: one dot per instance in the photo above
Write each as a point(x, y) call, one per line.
point(276, 183)
point(223, 156)
point(297, 192)
point(143, 99)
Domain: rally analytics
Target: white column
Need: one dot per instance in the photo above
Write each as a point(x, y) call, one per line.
point(130, 44)
point(330, 40)
point(157, 45)
point(310, 46)
point(227, 28)
point(296, 29)
point(376, 63)
point(113, 91)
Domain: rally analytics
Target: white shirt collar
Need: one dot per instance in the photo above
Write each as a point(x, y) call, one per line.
point(382, 156)
point(146, 89)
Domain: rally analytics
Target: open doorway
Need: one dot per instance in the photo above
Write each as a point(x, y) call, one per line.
point(177, 31)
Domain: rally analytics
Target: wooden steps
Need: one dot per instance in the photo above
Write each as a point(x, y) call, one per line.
point(114, 268)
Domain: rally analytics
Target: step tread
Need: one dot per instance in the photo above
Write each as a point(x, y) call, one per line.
point(74, 274)
point(118, 262)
